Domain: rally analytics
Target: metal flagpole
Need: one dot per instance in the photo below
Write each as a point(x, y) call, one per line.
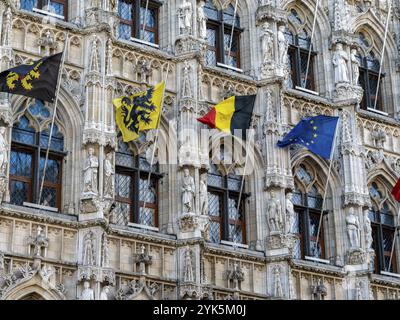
point(54, 117)
point(156, 137)
point(393, 243)
point(309, 50)
point(383, 53)
point(233, 29)
point(326, 186)
point(145, 18)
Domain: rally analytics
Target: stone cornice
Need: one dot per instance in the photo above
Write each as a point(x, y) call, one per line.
point(54, 262)
point(323, 269)
point(368, 115)
point(237, 253)
point(384, 280)
point(230, 75)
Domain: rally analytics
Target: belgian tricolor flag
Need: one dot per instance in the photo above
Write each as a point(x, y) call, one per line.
point(36, 80)
point(231, 114)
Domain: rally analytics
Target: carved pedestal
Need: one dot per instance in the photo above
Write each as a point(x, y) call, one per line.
point(192, 225)
point(345, 92)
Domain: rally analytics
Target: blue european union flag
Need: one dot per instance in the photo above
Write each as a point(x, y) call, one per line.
point(315, 133)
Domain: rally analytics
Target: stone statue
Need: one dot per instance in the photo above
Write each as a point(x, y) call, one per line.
point(267, 43)
point(282, 46)
point(355, 67)
point(188, 275)
point(353, 229)
point(109, 174)
point(87, 293)
point(188, 189)
point(202, 20)
point(1, 262)
point(367, 230)
point(3, 151)
point(339, 61)
point(274, 214)
point(203, 195)
point(7, 28)
point(290, 214)
point(90, 173)
point(105, 258)
point(185, 14)
point(104, 293)
point(38, 242)
point(277, 282)
point(88, 249)
point(186, 84)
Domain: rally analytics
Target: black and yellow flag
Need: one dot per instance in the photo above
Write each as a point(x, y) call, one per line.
point(36, 80)
point(139, 112)
point(231, 114)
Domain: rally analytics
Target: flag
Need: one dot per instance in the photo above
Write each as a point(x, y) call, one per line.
point(315, 133)
point(36, 80)
point(231, 114)
point(139, 112)
point(396, 191)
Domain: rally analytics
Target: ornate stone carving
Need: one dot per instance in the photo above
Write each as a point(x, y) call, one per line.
point(109, 176)
point(283, 46)
point(188, 269)
point(2, 264)
point(319, 290)
point(290, 214)
point(3, 152)
point(105, 258)
point(353, 229)
point(235, 276)
point(367, 230)
point(90, 174)
point(143, 259)
point(143, 70)
point(274, 214)
point(379, 138)
point(136, 288)
point(278, 292)
point(342, 15)
point(203, 195)
point(185, 14)
point(344, 91)
point(47, 41)
point(340, 59)
point(355, 67)
point(104, 293)
point(87, 292)
point(7, 28)
point(267, 40)
point(188, 191)
point(202, 20)
point(38, 242)
point(356, 257)
point(88, 257)
point(186, 90)
point(94, 57)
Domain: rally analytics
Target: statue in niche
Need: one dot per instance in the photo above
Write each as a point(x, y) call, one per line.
point(353, 229)
point(274, 214)
point(90, 172)
point(267, 43)
point(3, 151)
point(339, 61)
point(88, 249)
point(185, 17)
point(277, 283)
point(109, 174)
point(355, 67)
point(188, 270)
point(104, 293)
point(283, 46)
point(202, 19)
point(7, 27)
point(203, 195)
point(290, 213)
point(367, 230)
point(87, 293)
point(188, 189)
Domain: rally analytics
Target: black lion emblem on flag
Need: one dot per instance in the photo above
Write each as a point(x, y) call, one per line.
point(137, 109)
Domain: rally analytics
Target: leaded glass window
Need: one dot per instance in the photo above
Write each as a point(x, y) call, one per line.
point(298, 52)
point(134, 16)
point(227, 217)
point(307, 202)
point(136, 196)
point(59, 7)
point(219, 33)
point(369, 75)
point(30, 136)
point(383, 227)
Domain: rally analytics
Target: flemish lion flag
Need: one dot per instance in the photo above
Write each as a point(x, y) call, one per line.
point(36, 80)
point(139, 112)
point(231, 114)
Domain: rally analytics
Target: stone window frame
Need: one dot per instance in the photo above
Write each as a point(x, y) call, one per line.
point(41, 4)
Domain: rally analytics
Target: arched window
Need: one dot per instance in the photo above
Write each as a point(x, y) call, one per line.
point(383, 227)
point(227, 220)
point(299, 46)
point(219, 31)
point(132, 14)
point(307, 201)
point(136, 199)
point(369, 75)
point(30, 136)
point(57, 7)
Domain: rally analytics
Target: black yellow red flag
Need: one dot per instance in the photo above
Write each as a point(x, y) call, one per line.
point(231, 114)
point(36, 80)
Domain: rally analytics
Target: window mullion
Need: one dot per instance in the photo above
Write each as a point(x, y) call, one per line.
point(36, 174)
point(136, 201)
point(225, 213)
point(136, 18)
point(381, 249)
point(298, 67)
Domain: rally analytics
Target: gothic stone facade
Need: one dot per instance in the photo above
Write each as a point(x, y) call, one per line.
point(89, 241)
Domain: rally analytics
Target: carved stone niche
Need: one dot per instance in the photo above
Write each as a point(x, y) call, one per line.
point(192, 225)
point(268, 12)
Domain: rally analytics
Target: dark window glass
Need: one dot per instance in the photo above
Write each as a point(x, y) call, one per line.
point(59, 7)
